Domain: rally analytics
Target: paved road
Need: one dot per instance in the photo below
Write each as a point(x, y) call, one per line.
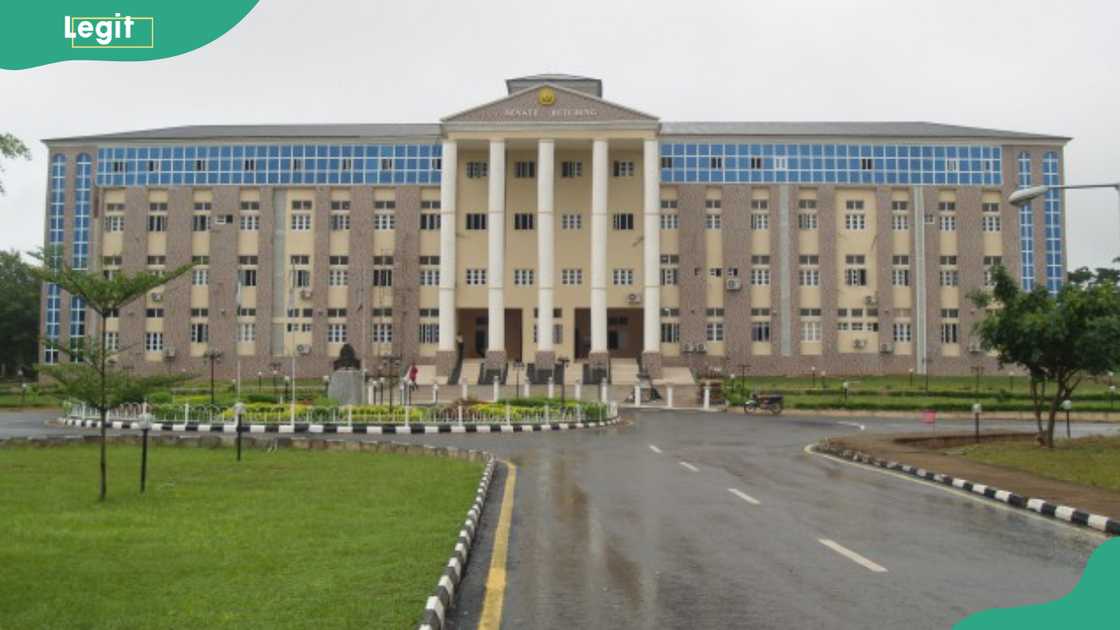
point(712, 520)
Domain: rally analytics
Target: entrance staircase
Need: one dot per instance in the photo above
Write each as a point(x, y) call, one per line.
point(624, 371)
point(472, 370)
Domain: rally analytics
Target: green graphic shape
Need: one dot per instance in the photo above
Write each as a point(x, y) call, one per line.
point(41, 33)
point(1091, 604)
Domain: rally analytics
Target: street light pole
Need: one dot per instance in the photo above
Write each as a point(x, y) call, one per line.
point(1024, 196)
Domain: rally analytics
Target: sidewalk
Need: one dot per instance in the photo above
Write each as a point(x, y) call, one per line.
point(894, 447)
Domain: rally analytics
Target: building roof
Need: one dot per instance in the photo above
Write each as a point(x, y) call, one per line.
point(909, 130)
point(916, 129)
point(205, 132)
point(590, 85)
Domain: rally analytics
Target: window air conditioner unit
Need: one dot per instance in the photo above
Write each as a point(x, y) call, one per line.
point(303, 349)
point(734, 284)
point(859, 344)
point(220, 219)
point(886, 348)
point(305, 294)
point(157, 297)
point(701, 347)
point(871, 300)
point(974, 347)
point(687, 347)
point(634, 298)
point(169, 352)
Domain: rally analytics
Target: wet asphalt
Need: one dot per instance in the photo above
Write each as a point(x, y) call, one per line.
point(637, 525)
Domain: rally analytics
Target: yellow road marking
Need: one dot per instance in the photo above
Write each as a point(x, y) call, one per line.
point(491, 618)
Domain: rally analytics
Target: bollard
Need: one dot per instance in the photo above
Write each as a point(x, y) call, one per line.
point(350, 415)
point(507, 413)
point(976, 409)
point(603, 390)
point(669, 397)
point(551, 388)
point(579, 390)
point(637, 395)
point(369, 394)
point(464, 391)
point(707, 396)
point(460, 415)
point(525, 388)
point(186, 413)
point(494, 395)
point(435, 393)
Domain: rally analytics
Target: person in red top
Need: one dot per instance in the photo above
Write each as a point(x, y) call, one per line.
point(413, 372)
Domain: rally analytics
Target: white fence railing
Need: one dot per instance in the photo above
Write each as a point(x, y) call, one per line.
point(210, 414)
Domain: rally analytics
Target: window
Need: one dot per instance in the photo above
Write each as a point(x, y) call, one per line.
point(112, 342)
point(429, 333)
point(714, 331)
point(712, 221)
point(715, 163)
point(336, 333)
point(525, 169)
point(760, 276)
point(950, 278)
point(246, 332)
point(476, 277)
point(247, 277)
point(114, 223)
point(200, 277)
point(903, 333)
point(866, 164)
point(900, 205)
point(670, 276)
point(384, 221)
point(157, 206)
point(571, 222)
point(340, 221)
point(384, 204)
point(301, 204)
point(900, 221)
point(670, 221)
point(760, 204)
point(760, 331)
point(948, 223)
point(950, 332)
point(670, 332)
point(990, 206)
point(623, 221)
point(200, 333)
point(299, 259)
point(301, 279)
point(429, 277)
point(476, 170)
point(989, 223)
point(809, 277)
point(623, 168)
point(522, 277)
point(807, 220)
point(571, 169)
point(990, 262)
point(338, 277)
point(756, 163)
point(622, 277)
point(430, 204)
point(760, 221)
point(900, 277)
point(382, 332)
point(157, 222)
point(668, 204)
point(946, 206)
point(340, 205)
point(855, 221)
point(523, 221)
point(301, 221)
point(855, 275)
point(476, 221)
point(250, 222)
point(429, 221)
point(157, 261)
point(153, 342)
point(713, 203)
point(200, 165)
point(715, 272)
point(666, 162)
point(153, 313)
point(810, 330)
point(571, 277)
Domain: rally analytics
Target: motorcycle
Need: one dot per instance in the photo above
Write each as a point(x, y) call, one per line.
point(766, 402)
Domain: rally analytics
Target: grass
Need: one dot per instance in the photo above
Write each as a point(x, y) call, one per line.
point(1092, 461)
point(288, 539)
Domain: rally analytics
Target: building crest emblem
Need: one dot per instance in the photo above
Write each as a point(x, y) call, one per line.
point(546, 97)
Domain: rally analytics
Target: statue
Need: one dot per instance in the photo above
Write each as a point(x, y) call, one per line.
point(347, 359)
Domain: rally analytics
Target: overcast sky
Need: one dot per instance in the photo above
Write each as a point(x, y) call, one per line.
point(1047, 67)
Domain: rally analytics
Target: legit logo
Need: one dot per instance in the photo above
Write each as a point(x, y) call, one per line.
point(110, 32)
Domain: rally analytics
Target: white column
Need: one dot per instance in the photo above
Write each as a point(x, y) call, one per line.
point(496, 229)
point(599, 158)
point(447, 225)
point(651, 247)
point(546, 258)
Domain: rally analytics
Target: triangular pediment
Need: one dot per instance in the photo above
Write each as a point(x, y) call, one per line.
point(550, 104)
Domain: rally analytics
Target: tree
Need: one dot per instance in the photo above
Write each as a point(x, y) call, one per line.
point(19, 313)
point(11, 147)
point(1058, 339)
point(93, 376)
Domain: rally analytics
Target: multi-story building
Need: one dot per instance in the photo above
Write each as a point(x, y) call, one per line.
point(553, 225)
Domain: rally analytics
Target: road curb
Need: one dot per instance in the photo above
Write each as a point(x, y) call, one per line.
point(345, 429)
point(443, 597)
point(1064, 513)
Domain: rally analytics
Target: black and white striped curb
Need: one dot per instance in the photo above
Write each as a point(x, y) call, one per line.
point(442, 598)
point(355, 428)
point(1041, 506)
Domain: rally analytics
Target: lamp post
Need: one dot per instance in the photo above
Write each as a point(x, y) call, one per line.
point(563, 374)
point(326, 384)
point(911, 378)
point(1111, 398)
point(976, 410)
point(145, 426)
point(823, 374)
point(813, 376)
point(978, 370)
point(1067, 404)
point(1024, 196)
point(274, 374)
point(1011, 382)
point(845, 387)
point(239, 410)
point(517, 365)
point(260, 375)
point(213, 356)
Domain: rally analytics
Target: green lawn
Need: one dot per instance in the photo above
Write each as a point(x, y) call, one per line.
point(289, 539)
point(1093, 461)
